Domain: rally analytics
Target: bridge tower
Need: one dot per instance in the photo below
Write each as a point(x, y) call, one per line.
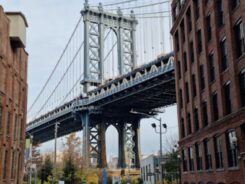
point(96, 22)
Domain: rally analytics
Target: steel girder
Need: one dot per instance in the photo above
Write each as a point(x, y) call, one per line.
point(95, 24)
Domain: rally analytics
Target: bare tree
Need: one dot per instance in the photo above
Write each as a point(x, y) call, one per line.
point(72, 150)
point(170, 143)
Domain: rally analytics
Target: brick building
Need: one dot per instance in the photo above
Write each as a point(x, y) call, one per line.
point(13, 96)
point(210, 85)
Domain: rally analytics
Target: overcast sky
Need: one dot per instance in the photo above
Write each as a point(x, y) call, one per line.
point(50, 25)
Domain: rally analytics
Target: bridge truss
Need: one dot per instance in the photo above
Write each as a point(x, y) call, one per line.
point(82, 98)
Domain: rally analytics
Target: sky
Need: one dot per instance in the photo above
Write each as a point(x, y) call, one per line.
point(51, 23)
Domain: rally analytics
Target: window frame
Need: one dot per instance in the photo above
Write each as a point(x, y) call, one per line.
point(219, 160)
point(231, 150)
point(227, 98)
point(242, 87)
point(224, 54)
point(198, 152)
point(208, 154)
point(239, 38)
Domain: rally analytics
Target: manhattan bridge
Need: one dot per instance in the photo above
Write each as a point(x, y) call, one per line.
point(112, 64)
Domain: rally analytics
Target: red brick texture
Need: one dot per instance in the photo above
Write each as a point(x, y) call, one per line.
point(234, 120)
point(13, 102)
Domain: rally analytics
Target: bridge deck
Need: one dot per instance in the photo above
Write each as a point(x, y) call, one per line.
point(148, 87)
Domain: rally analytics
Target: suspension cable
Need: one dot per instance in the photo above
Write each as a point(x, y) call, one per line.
point(142, 6)
point(150, 13)
point(56, 66)
point(61, 78)
point(122, 2)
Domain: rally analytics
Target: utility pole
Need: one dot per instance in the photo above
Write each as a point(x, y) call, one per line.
point(160, 159)
point(55, 146)
point(30, 168)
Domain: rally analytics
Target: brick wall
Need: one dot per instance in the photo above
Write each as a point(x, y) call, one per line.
point(235, 120)
point(13, 102)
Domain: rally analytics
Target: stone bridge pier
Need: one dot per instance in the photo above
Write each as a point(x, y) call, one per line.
point(94, 141)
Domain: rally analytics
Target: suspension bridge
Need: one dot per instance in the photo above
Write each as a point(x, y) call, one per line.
point(97, 81)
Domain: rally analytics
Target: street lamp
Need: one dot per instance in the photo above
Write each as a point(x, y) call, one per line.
point(55, 146)
point(164, 125)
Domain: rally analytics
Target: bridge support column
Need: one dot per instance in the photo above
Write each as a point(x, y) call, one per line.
point(102, 162)
point(136, 139)
point(86, 138)
point(121, 145)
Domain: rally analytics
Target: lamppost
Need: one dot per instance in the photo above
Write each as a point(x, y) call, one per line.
point(160, 133)
point(55, 146)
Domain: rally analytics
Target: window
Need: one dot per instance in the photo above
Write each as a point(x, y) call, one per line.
point(196, 119)
point(197, 8)
point(180, 98)
point(234, 3)
point(13, 165)
point(185, 61)
point(223, 50)
point(239, 38)
point(21, 129)
point(8, 123)
point(15, 126)
point(177, 41)
point(204, 114)
point(182, 27)
point(231, 146)
point(211, 67)
point(194, 91)
point(208, 156)
point(220, 11)
point(242, 88)
point(215, 107)
point(189, 19)
point(189, 124)
point(147, 173)
point(227, 98)
point(184, 158)
point(1, 116)
point(198, 156)
point(199, 40)
point(182, 128)
point(187, 92)
point(5, 165)
point(191, 161)
point(218, 152)
point(149, 167)
point(209, 27)
point(179, 70)
point(191, 47)
point(202, 77)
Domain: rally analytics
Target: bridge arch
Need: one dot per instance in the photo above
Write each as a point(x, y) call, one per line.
point(112, 141)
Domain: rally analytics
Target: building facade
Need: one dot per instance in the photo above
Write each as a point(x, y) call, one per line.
point(149, 169)
point(210, 86)
point(13, 96)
